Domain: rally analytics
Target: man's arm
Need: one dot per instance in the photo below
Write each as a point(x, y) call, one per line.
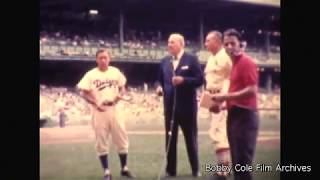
point(88, 96)
point(248, 91)
point(120, 95)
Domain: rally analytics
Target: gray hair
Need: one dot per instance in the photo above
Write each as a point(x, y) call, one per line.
point(216, 34)
point(179, 37)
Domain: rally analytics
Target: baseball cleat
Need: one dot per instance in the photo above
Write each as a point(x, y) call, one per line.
point(127, 174)
point(107, 177)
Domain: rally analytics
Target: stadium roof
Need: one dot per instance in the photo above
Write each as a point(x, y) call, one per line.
point(275, 3)
point(176, 3)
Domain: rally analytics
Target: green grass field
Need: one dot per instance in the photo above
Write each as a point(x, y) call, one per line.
point(70, 161)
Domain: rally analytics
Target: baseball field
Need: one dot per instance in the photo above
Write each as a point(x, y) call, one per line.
point(68, 153)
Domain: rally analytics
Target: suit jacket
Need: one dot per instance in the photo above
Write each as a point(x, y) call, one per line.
point(186, 97)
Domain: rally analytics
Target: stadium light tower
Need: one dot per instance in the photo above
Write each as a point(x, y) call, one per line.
point(201, 32)
point(121, 31)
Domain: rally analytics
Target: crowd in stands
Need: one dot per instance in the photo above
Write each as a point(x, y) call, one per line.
point(64, 44)
point(153, 46)
point(54, 100)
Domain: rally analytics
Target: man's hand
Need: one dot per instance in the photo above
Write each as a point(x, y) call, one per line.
point(126, 97)
point(177, 80)
point(159, 91)
point(219, 97)
point(91, 99)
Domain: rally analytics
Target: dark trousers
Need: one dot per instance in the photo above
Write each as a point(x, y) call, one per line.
point(242, 130)
point(190, 132)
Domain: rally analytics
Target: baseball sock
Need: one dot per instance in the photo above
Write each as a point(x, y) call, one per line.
point(123, 161)
point(104, 161)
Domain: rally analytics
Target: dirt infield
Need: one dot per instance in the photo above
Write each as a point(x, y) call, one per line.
point(75, 134)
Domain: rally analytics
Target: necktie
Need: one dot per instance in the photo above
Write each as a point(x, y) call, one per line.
point(175, 62)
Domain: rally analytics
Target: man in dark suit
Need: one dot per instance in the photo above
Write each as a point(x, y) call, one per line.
point(179, 76)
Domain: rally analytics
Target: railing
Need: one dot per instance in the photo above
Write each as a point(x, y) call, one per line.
point(69, 52)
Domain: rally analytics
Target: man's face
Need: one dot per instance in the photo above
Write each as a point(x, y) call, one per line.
point(232, 45)
point(103, 60)
point(212, 43)
point(174, 45)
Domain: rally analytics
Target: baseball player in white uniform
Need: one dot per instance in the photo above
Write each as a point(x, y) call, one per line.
point(102, 87)
point(217, 73)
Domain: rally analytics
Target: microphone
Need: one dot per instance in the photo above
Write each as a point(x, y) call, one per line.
point(172, 66)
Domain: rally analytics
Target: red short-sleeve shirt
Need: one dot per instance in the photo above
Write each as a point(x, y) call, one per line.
point(243, 73)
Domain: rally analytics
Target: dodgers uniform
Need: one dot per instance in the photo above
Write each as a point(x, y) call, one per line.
point(105, 86)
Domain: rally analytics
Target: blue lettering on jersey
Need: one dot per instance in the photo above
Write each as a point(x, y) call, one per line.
point(100, 85)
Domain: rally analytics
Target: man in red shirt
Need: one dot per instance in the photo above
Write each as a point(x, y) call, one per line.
point(242, 120)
